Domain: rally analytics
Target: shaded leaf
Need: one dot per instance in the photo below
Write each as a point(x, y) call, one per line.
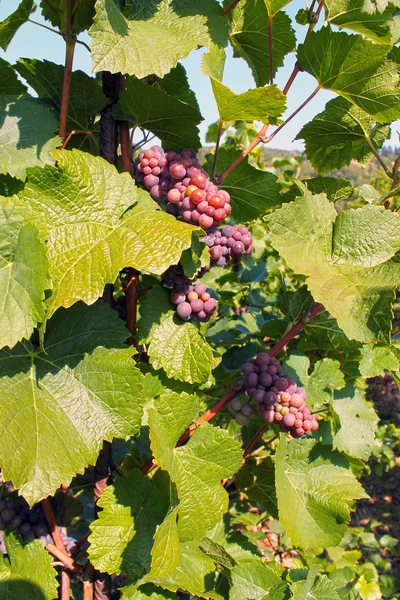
point(10, 25)
point(316, 586)
point(253, 578)
point(10, 85)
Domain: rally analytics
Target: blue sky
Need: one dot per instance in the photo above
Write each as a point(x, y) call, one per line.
point(34, 41)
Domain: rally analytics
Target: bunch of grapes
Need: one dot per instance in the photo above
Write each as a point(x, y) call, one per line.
point(241, 411)
point(174, 277)
point(279, 399)
point(231, 240)
point(29, 523)
point(179, 178)
point(193, 302)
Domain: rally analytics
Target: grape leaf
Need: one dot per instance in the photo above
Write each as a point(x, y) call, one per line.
point(83, 14)
point(316, 586)
point(382, 28)
point(175, 346)
point(26, 571)
point(336, 188)
point(86, 97)
point(326, 375)
point(148, 591)
point(252, 191)
point(250, 36)
point(311, 238)
point(314, 494)
point(152, 43)
point(173, 121)
point(356, 69)
point(10, 85)
point(368, 590)
point(259, 104)
point(122, 536)
point(357, 423)
point(254, 579)
point(75, 389)
point(85, 204)
point(195, 574)
point(166, 553)
point(176, 84)
point(9, 185)
point(27, 135)
point(24, 273)
point(340, 134)
point(196, 468)
point(377, 359)
point(10, 25)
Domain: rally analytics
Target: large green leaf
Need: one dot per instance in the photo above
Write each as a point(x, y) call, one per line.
point(9, 82)
point(27, 135)
point(250, 36)
point(26, 571)
point(357, 423)
point(122, 535)
point(315, 587)
point(23, 273)
point(382, 27)
point(314, 494)
point(252, 191)
point(196, 468)
point(86, 97)
point(83, 388)
point(375, 360)
point(173, 121)
point(173, 345)
point(326, 375)
point(340, 134)
point(176, 84)
point(346, 259)
point(356, 69)
point(92, 234)
point(155, 36)
point(10, 25)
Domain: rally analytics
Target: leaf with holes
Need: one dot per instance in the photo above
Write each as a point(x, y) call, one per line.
point(83, 387)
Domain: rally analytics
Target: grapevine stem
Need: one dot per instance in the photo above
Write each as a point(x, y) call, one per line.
point(295, 72)
point(295, 330)
point(65, 585)
point(270, 49)
point(378, 157)
point(44, 27)
point(126, 152)
point(229, 7)
point(88, 583)
point(131, 293)
point(260, 135)
point(64, 558)
point(219, 133)
point(75, 132)
point(395, 183)
point(296, 112)
point(69, 59)
point(51, 520)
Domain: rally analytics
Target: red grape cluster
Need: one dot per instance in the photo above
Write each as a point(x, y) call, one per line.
point(174, 277)
point(231, 240)
point(241, 411)
point(193, 302)
point(179, 178)
point(279, 399)
point(29, 523)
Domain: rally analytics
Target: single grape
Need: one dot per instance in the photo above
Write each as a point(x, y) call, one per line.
point(210, 306)
point(242, 419)
point(247, 410)
point(197, 305)
point(288, 420)
point(178, 297)
point(184, 310)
